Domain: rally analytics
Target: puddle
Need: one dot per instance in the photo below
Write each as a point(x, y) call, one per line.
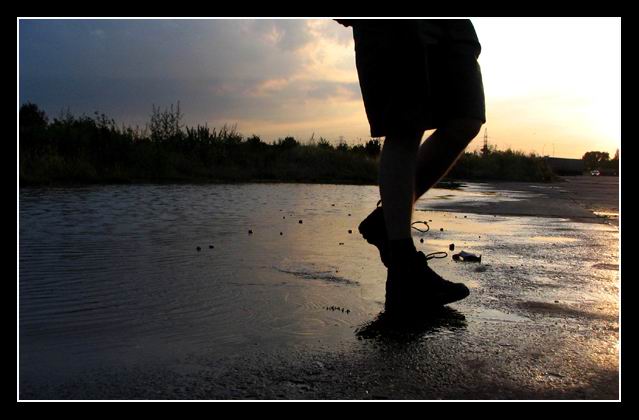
point(104, 291)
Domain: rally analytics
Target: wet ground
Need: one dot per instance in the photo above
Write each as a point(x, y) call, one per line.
point(294, 310)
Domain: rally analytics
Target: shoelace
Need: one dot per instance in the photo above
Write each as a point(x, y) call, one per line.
point(436, 255)
point(418, 229)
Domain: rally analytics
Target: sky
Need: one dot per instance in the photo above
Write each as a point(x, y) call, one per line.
point(552, 85)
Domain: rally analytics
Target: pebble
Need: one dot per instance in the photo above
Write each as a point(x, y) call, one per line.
point(350, 231)
point(211, 247)
point(198, 248)
point(250, 232)
point(300, 222)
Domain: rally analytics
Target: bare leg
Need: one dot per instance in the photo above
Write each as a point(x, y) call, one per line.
point(440, 151)
point(397, 182)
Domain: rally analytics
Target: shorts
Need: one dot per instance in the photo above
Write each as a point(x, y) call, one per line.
point(417, 74)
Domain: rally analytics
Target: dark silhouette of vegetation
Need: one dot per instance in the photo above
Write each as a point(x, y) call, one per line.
point(95, 149)
point(507, 165)
point(601, 161)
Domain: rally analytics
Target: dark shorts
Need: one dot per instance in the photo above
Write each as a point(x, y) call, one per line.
point(417, 74)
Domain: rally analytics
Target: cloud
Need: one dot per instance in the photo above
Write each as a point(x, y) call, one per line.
point(276, 71)
point(98, 33)
point(287, 35)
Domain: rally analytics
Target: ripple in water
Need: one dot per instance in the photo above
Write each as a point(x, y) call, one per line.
point(112, 272)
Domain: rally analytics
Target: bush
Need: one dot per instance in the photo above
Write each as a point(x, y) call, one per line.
point(94, 149)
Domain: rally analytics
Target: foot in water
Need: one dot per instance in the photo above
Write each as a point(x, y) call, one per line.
point(411, 284)
point(413, 287)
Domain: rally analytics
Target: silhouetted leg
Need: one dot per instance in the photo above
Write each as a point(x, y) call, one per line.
point(440, 151)
point(397, 165)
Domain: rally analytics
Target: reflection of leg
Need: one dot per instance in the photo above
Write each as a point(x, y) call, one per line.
point(397, 182)
point(441, 150)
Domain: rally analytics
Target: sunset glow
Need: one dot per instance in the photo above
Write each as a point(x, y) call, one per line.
point(553, 85)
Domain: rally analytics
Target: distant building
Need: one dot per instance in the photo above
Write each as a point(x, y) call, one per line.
point(562, 166)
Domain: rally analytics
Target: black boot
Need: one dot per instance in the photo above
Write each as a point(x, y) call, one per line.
point(412, 287)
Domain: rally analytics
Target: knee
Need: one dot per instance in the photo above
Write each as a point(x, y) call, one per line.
point(462, 130)
point(408, 139)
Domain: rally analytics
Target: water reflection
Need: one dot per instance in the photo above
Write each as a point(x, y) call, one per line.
point(388, 327)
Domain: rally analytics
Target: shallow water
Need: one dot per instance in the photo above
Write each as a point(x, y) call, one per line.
point(110, 276)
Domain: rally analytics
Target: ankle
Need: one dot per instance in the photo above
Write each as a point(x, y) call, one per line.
point(400, 251)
